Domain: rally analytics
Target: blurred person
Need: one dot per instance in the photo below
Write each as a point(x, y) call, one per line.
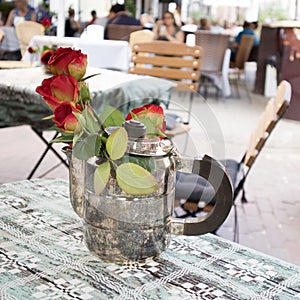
point(118, 15)
point(22, 12)
point(248, 29)
point(147, 21)
point(94, 18)
point(204, 24)
point(167, 30)
point(216, 27)
point(72, 27)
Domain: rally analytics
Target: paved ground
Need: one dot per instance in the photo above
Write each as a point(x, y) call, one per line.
point(269, 222)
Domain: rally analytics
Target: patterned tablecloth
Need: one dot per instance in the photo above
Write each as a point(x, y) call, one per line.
point(21, 105)
point(42, 256)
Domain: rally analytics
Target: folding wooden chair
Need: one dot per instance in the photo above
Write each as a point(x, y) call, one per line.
point(237, 170)
point(237, 67)
point(25, 31)
point(173, 61)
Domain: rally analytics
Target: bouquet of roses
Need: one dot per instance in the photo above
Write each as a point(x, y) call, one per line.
point(66, 91)
point(104, 136)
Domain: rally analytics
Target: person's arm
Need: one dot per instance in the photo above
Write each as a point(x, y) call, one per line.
point(156, 29)
point(10, 18)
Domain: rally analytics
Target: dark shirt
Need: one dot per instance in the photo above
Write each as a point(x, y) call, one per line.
point(121, 19)
point(249, 32)
point(69, 30)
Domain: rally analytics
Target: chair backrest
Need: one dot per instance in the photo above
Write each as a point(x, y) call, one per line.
point(214, 46)
point(121, 32)
point(274, 110)
point(95, 32)
point(174, 61)
point(243, 51)
point(141, 36)
point(25, 31)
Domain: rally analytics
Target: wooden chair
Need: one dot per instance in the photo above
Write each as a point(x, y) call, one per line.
point(237, 170)
point(121, 32)
point(173, 61)
point(25, 31)
point(140, 36)
point(214, 47)
point(237, 67)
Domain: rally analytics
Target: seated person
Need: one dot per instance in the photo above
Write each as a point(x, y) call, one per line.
point(22, 12)
point(167, 30)
point(9, 46)
point(72, 27)
point(119, 16)
point(248, 28)
point(204, 24)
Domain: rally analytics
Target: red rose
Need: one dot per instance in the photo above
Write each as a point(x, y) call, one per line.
point(152, 116)
point(68, 61)
point(58, 89)
point(46, 22)
point(64, 118)
point(46, 56)
point(31, 50)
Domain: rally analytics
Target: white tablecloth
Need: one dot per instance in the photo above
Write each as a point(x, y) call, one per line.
point(106, 54)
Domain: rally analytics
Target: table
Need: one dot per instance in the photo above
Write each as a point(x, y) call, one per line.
point(108, 54)
point(43, 257)
point(39, 41)
point(21, 105)
point(101, 53)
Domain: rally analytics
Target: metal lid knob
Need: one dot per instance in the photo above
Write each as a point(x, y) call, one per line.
point(135, 129)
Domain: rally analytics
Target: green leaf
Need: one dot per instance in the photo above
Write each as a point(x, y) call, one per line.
point(87, 146)
point(91, 123)
point(135, 180)
point(143, 161)
point(116, 143)
point(101, 177)
point(90, 76)
point(110, 116)
point(62, 139)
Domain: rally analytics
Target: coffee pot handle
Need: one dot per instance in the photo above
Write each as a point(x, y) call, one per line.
point(215, 174)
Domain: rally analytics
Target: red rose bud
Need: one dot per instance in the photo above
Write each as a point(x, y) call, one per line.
point(31, 50)
point(84, 91)
point(68, 61)
point(46, 56)
point(58, 89)
point(64, 118)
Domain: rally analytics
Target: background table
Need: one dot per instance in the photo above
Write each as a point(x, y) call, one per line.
point(101, 53)
point(21, 105)
point(43, 257)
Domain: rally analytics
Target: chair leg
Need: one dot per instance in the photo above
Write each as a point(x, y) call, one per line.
point(49, 147)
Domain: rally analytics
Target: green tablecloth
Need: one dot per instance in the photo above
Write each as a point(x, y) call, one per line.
point(42, 256)
point(21, 105)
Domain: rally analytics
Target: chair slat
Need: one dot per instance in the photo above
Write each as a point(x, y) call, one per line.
point(159, 47)
point(166, 73)
point(271, 116)
point(174, 62)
